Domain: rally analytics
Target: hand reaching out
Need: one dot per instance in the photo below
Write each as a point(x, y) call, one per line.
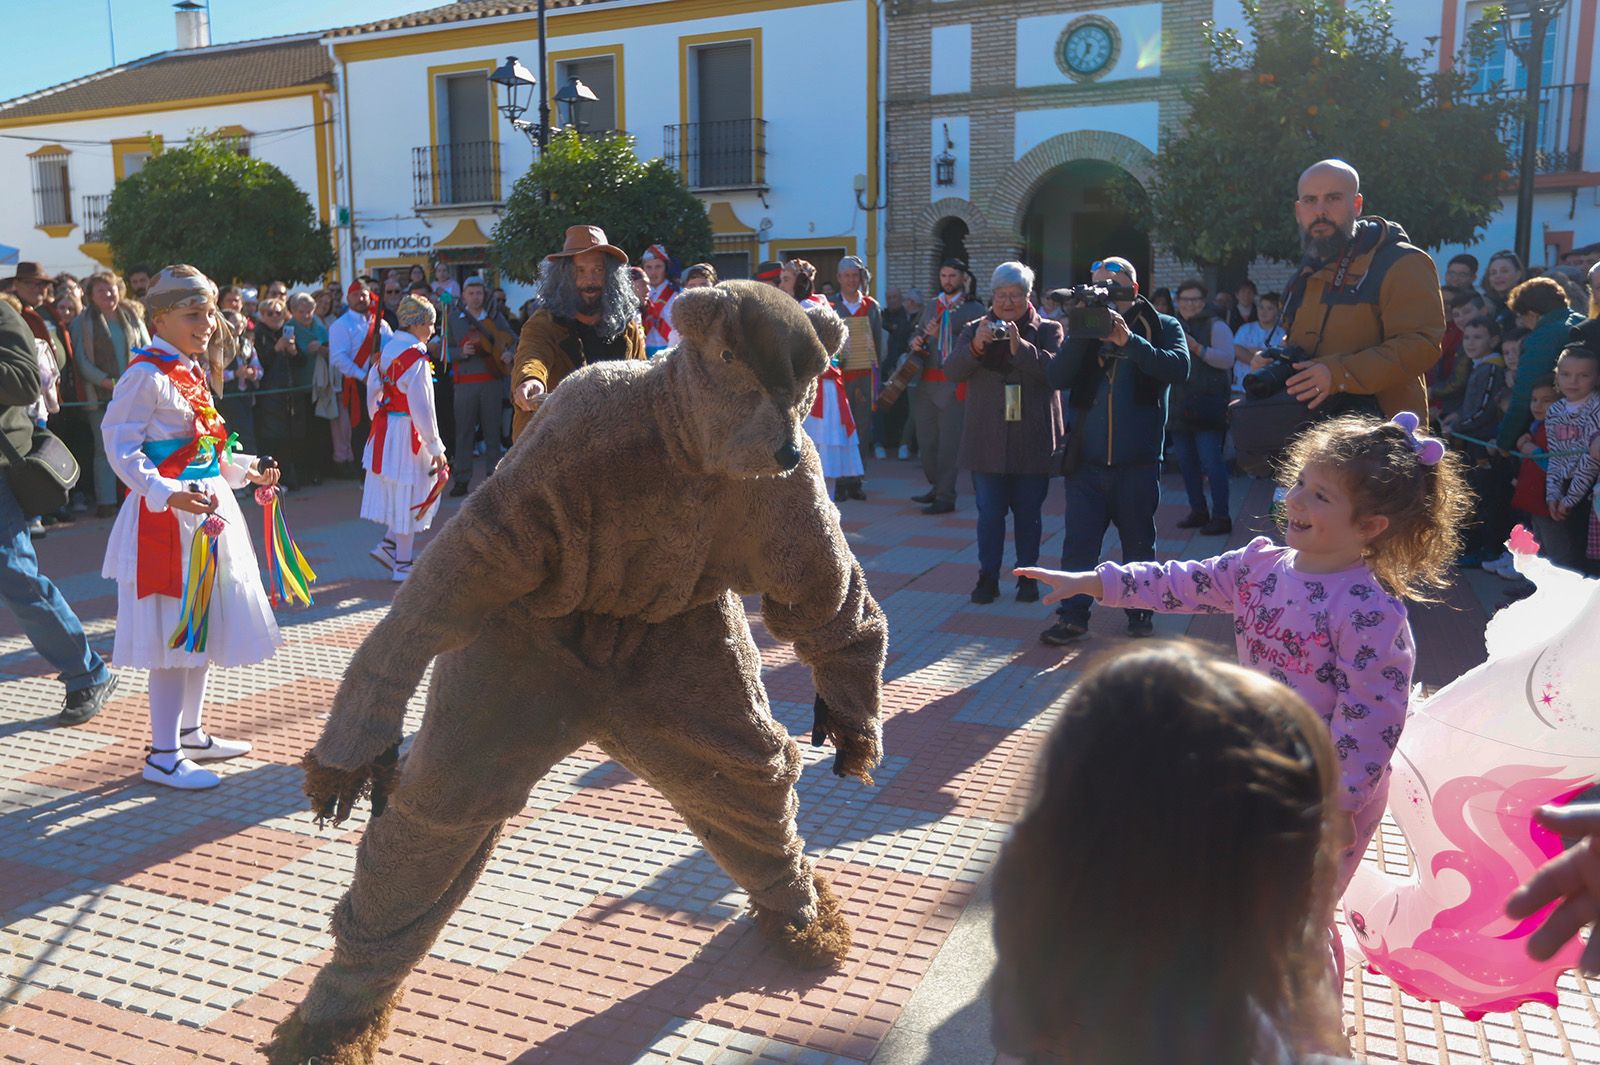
point(1063, 585)
point(1573, 879)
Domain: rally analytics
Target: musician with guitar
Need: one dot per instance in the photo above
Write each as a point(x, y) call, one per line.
point(481, 347)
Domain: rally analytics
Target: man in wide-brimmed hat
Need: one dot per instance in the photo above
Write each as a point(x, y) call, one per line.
point(587, 311)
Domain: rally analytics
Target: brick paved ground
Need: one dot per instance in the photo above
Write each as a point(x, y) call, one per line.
point(144, 925)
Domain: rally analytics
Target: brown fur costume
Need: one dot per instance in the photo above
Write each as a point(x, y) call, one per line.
point(590, 592)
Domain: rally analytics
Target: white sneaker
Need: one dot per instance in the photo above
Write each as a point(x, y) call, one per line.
point(36, 528)
point(212, 748)
point(905, 453)
point(1503, 567)
point(878, 451)
point(402, 570)
point(184, 774)
point(384, 553)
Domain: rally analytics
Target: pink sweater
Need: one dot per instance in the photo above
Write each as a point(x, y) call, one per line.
point(1338, 639)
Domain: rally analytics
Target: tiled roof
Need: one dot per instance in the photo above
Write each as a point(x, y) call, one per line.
point(461, 11)
point(185, 75)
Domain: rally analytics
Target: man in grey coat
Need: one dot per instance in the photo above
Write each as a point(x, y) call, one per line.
point(481, 391)
point(936, 404)
point(45, 618)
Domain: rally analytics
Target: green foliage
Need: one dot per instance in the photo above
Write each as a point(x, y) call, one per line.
point(598, 181)
point(233, 217)
point(1324, 78)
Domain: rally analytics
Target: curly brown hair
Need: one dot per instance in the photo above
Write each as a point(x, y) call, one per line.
point(1175, 865)
point(1426, 506)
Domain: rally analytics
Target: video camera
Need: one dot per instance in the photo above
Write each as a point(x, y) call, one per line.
point(1090, 314)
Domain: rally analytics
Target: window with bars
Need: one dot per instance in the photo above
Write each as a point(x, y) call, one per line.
point(52, 190)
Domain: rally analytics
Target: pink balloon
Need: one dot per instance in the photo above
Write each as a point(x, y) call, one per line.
point(1474, 763)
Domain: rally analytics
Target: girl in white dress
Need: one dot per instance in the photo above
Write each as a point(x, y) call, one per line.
point(833, 429)
point(404, 459)
point(165, 440)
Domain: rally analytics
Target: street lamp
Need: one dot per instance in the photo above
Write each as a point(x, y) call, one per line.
point(944, 164)
point(573, 93)
point(1540, 14)
point(519, 85)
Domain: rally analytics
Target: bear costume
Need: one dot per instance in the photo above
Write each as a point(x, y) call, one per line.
point(617, 537)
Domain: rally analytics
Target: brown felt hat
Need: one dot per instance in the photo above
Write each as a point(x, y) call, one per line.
point(31, 272)
point(587, 238)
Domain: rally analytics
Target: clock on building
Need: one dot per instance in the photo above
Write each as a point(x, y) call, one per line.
point(1088, 48)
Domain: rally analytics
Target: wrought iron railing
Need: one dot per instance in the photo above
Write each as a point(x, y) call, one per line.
point(719, 155)
point(94, 218)
point(445, 174)
point(1563, 113)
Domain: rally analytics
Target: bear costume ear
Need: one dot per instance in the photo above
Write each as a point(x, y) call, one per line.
point(829, 326)
point(696, 312)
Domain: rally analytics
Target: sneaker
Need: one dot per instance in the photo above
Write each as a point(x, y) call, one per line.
point(36, 529)
point(987, 590)
point(184, 774)
point(1503, 567)
point(904, 454)
point(1195, 520)
point(402, 570)
point(1063, 632)
point(84, 703)
point(384, 553)
point(1027, 590)
point(1141, 625)
point(1222, 526)
point(205, 747)
point(879, 452)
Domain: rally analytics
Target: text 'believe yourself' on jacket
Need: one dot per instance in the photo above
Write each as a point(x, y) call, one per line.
point(1379, 330)
point(1117, 404)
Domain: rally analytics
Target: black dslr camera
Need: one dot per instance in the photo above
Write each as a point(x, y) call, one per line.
point(1271, 378)
point(1090, 314)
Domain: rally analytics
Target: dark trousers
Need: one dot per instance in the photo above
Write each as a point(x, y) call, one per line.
point(283, 430)
point(1097, 498)
point(1199, 455)
point(1565, 542)
point(1021, 494)
point(1492, 481)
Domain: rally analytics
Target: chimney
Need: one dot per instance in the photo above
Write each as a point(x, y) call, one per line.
point(194, 25)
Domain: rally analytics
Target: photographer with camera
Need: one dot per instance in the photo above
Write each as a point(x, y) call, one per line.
point(1199, 417)
point(1120, 359)
point(1363, 317)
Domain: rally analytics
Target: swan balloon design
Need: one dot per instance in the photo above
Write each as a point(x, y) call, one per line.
point(1475, 761)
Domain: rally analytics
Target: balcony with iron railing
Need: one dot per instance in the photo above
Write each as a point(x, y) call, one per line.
point(453, 175)
point(1563, 113)
point(719, 155)
point(94, 218)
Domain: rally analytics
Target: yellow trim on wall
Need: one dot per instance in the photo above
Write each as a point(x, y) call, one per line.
point(612, 50)
point(57, 231)
point(123, 147)
point(561, 23)
point(319, 114)
point(167, 105)
point(698, 40)
point(49, 149)
point(99, 251)
point(445, 70)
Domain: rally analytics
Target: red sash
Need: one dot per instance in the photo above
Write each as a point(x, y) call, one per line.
point(160, 545)
point(394, 401)
point(352, 389)
point(656, 329)
point(832, 378)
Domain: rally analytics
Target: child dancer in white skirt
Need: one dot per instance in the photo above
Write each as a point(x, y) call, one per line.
point(405, 453)
point(165, 440)
point(833, 429)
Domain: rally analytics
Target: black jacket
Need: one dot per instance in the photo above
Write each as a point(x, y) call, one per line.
point(19, 380)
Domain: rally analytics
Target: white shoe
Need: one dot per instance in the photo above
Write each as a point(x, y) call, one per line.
point(184, 774)
point(1503, 567)
point(879, 452)
point(904, 454)
point(402, 570)
point(384, 553)
point(213, 749)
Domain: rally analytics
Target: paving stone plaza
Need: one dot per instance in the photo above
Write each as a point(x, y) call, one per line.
point(142, 925)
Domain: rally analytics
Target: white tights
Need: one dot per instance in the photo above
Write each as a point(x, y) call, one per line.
point(176, 701)
point(403, 543)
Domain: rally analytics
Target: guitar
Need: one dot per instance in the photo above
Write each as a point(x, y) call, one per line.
point(495, 345)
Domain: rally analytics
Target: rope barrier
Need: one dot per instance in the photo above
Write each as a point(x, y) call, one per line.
point(1517, 454)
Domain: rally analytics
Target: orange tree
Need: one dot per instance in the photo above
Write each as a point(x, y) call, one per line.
point(1320, 78)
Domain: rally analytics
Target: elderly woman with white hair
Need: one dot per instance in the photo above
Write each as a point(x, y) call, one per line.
point(1013, 424)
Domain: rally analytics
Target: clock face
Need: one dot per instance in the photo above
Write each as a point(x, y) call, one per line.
point(1088, 49)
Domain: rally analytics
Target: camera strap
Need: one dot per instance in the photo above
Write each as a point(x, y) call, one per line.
point(1297, 292)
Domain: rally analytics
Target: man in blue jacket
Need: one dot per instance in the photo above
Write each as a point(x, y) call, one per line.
point(1116, 400)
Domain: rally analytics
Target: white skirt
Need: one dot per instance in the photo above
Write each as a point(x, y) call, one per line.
point(242, 629)
point(839, 448)
point(387, 497)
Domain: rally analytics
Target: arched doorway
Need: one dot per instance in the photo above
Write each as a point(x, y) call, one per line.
point(950, 237)
point(1079, 213)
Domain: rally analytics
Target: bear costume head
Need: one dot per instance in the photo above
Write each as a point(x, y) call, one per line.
point(756, 353)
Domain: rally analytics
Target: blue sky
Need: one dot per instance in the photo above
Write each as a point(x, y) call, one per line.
point(51, 41)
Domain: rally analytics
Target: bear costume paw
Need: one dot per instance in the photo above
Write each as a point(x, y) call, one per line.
point(294, 1042)
point(333, 792)
point(822, 943)
point(856, 753)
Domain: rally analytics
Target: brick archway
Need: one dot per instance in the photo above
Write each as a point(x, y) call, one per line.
point(1023, 177)
point(952, 207)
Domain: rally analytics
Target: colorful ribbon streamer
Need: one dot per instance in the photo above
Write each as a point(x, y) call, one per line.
point(433, 497)
point(289, 576)
point(195, 621)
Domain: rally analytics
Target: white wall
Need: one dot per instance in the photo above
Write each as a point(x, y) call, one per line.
point(1138, 26)
point(90, 164)
point(814, 149)
point(1141, 121)
point(950, 59)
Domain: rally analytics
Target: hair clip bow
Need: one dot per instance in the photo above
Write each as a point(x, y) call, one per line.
point(1429, 450)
